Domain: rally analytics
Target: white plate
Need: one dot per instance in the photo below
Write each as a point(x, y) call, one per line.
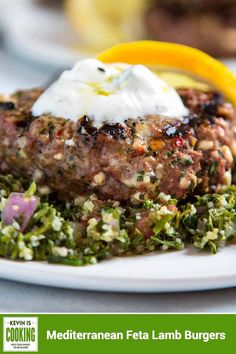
point(185, 270)
point(44, 36)
point(40, 35)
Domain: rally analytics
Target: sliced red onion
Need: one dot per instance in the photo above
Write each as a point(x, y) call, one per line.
point(20, 208)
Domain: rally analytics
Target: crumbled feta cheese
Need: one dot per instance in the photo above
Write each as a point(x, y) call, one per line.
point(69, 142)
point(99, 179)
point(44, 190)
point(227, 154)
point(3, 193)
point(34, 240)
point(211, 235)
point(26, 253)
point(91, 229)
point(205, 144)
point(79, 201)
point(21, 245)
point(184, 183)
point(58, 156)
point(60, 251)
point(193, 210)
point(164, 197)
point(227, 178)
point(16, 225)
point(38, 175)
point(88, 206)
point(159, 170)
point(164, 211)
point(21, 142)
point(56, 223)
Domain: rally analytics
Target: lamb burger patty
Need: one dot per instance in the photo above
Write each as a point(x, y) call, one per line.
point(131, 161)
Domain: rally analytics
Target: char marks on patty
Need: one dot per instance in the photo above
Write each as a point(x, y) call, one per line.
point(130, 161)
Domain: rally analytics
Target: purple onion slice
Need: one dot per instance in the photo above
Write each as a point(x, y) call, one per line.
point(20, 208)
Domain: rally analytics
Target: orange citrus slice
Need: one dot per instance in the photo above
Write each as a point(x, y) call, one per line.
point(175, 56)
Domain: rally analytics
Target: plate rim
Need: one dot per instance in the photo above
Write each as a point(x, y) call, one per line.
point(61, 276)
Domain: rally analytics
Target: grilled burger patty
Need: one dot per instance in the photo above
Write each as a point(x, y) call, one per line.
point(205, 24)
point(131, 161)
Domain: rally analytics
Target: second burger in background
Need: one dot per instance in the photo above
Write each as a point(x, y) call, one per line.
point(209, 25)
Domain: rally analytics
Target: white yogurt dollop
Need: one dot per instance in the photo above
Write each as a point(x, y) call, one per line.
point(109, 93)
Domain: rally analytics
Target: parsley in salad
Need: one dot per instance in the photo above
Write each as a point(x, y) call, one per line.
point(35, 227)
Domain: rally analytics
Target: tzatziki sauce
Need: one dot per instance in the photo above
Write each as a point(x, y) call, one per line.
point(109, 93)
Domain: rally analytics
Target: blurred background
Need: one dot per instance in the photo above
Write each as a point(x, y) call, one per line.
point(40, 38)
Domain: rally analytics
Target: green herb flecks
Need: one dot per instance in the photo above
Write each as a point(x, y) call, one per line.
point(67, 234)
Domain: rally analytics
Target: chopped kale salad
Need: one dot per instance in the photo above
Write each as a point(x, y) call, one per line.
point(35, 227)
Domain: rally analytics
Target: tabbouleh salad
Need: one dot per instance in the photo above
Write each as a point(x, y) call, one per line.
point(35, 227)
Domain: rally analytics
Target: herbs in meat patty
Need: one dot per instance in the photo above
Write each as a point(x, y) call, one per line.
point(75, 159)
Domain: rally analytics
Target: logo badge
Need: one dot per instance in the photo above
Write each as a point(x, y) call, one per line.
point(20, 334)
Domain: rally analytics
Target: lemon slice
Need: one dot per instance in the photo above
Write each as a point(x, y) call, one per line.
point(178, 57)
point(179, 80)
